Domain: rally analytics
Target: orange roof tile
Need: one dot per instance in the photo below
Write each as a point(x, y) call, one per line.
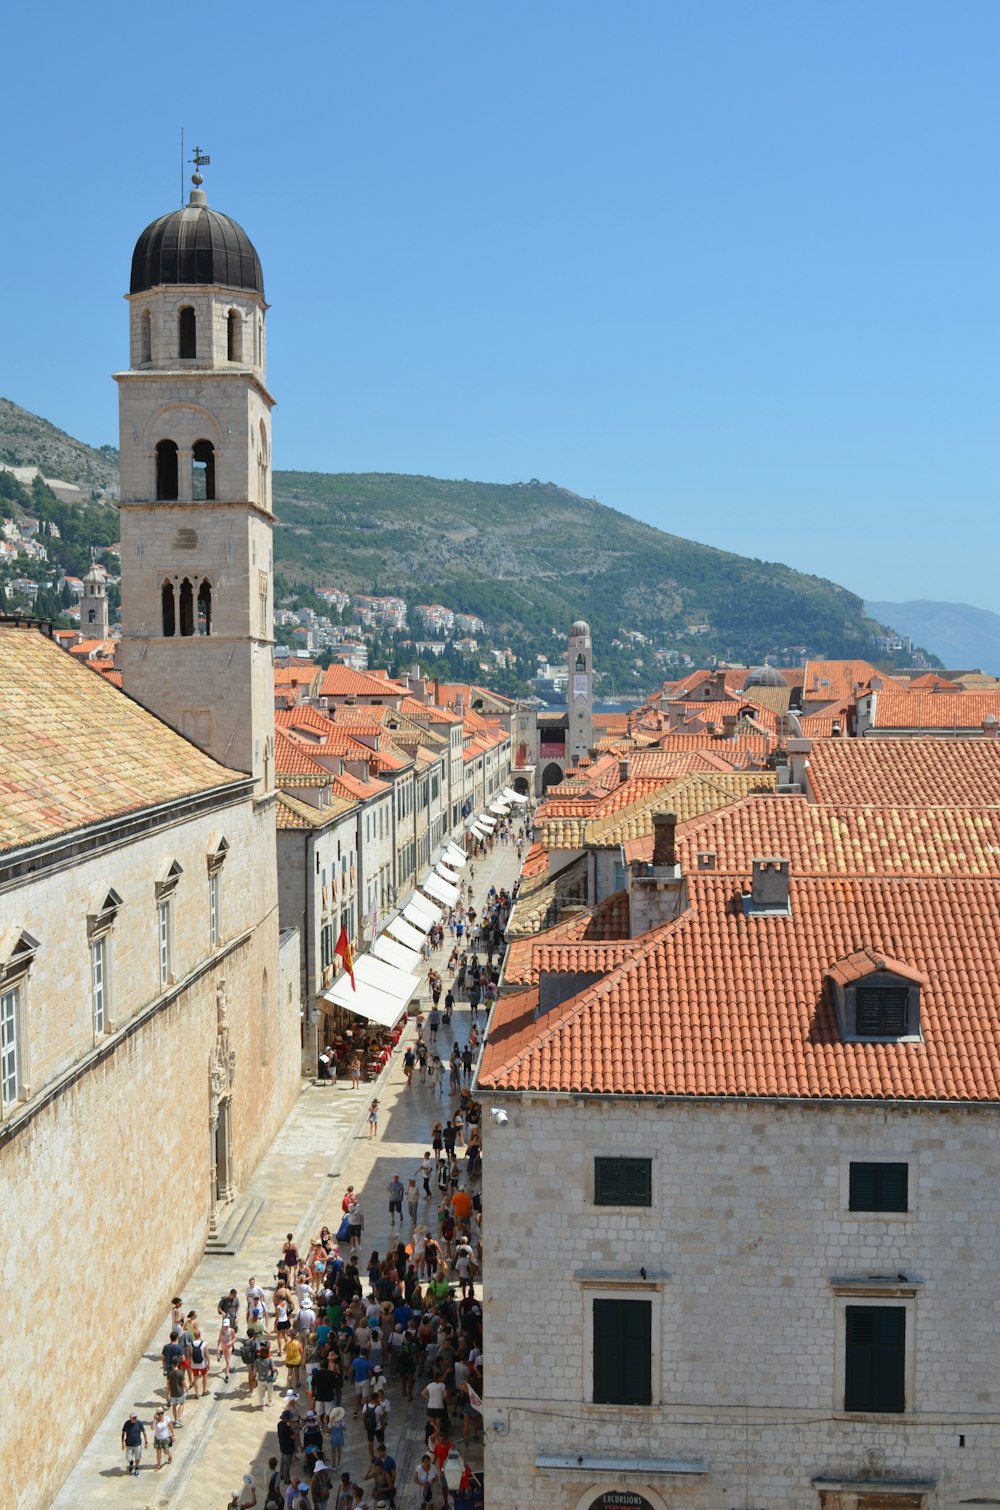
point(291, 759)
point(896, 709)
point(947, 772)
point(720, 1004)
point(341, 681)
point(835, 681)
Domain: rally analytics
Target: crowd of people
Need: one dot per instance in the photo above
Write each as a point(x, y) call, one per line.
point(341, 1335)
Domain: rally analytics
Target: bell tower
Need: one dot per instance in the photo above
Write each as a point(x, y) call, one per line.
point(196, 522)
point(94, 607)
point(580, 732)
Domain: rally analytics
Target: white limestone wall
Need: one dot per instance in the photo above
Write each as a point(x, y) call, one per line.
point(748, 1228)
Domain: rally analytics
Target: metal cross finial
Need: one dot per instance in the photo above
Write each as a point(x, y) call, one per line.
point(200, 160)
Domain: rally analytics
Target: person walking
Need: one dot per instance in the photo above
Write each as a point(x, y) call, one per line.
point(395, 1192)
point(176, 1393)
point(163, 1437)
point(412, 1202)
point(355, 1223)
point(134, 1439)
point(425, 1478)
point(266, 1373)
point(373, 1119)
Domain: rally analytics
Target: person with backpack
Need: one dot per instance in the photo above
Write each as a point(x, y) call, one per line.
point(249, 1349)
point(199, 1362)
point(272, 1490)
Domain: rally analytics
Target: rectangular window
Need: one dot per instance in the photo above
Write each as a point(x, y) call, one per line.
point(623, 1182)
point(10, 1048)
point(98, 965)
point(163, 929)
point(622, 1352)
point(326, 942)
point(876, 1348)
point(879, 1187)
point(213, 908)
point(881, 1011)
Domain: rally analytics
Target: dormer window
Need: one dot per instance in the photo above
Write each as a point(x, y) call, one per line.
point(876, 999)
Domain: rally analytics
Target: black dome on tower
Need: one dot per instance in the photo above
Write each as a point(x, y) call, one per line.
point(195, 245)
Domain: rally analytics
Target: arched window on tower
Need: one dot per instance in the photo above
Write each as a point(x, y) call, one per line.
point(234, 336)
point(166, 469)
point(202, 471)
point(187, 332)
point(187, 608)
point(205, 608)
point(169, 609)
point(262, 468)
point(145, 337)
point(581, 664)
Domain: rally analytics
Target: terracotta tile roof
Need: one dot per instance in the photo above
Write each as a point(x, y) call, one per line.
point(429, 711)
point(612, 723)
point(733, 678)
point(366, 716)
point(862, 962)
point(76, 751)
point(354, 788)
point(535, 862)
point(724, 1005)
point(930, 682)
point(688, 797)
point(835, 681)
point(843, 841)
point(293, 763)
point(114, 677)
point(528, 957)
point(946, 772)
point(341, 681)
point(290, 812)
point(895, 709)
point(606, 922)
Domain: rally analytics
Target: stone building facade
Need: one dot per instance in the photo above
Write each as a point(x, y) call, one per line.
point(752, 1259)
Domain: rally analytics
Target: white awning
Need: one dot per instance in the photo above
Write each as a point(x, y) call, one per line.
point(412, 937)
point(455, 856)
point(480, 833)
point(396, 954)
point(421, 912)
point(485, 821)
point(500, 807)
point(375, 972)
point(511, 796)
point(440, 890)
point(366, 1001)
point(446, 870)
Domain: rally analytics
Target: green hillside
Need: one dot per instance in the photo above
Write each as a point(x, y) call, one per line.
point(533, 556)
point(525, 557)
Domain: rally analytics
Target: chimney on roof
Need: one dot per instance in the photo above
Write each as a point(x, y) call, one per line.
point(769, 886)
point(706, 859)
point(991, 726)
point(623, 766)
point(815, 685)
point(664, 838)
point(710, 727)
point(729, 724)
point(459, 704)
point(798, 761)
point(675, 715)
point(836, 728)
point(656, 890)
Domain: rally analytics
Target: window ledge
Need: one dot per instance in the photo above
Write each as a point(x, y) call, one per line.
point(883, 1486)
point(621, 1280)
point(876, 1284)
point(647, 1466)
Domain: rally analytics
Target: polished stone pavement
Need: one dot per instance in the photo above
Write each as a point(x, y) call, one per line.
point(322, 1147)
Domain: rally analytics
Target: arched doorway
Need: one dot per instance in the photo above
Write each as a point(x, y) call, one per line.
point(521, 785)
point(552, 775)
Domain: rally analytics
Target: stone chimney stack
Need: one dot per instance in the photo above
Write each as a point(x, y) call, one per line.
point(623, 768)
point(675, 715)
point(664, 839)
point(656, 890)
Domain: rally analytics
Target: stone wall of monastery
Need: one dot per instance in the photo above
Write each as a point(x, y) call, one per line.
point(108, 1163)
point(748, 1231)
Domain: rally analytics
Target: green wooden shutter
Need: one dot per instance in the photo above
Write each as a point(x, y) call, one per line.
point(638, 1182)
point(876, 1345)
point(879, 1187)
point(622, 1352)
point(608, 1182)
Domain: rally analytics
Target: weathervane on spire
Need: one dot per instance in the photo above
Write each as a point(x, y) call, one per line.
point(200, 160)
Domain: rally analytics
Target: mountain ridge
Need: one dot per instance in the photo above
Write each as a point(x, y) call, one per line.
point(527, 557)
point(965, 637)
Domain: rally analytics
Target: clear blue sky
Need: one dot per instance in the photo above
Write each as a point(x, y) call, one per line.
point(732, 268)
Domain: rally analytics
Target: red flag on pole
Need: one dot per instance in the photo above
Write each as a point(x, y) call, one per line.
point(343, 948)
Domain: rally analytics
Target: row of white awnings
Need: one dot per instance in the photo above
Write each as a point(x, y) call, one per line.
point(440, 889)
point(381, 989)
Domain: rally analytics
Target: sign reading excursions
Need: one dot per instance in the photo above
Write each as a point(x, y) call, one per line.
point(620, 1499)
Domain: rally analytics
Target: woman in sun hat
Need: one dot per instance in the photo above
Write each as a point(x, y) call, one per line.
point(336, 1435)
